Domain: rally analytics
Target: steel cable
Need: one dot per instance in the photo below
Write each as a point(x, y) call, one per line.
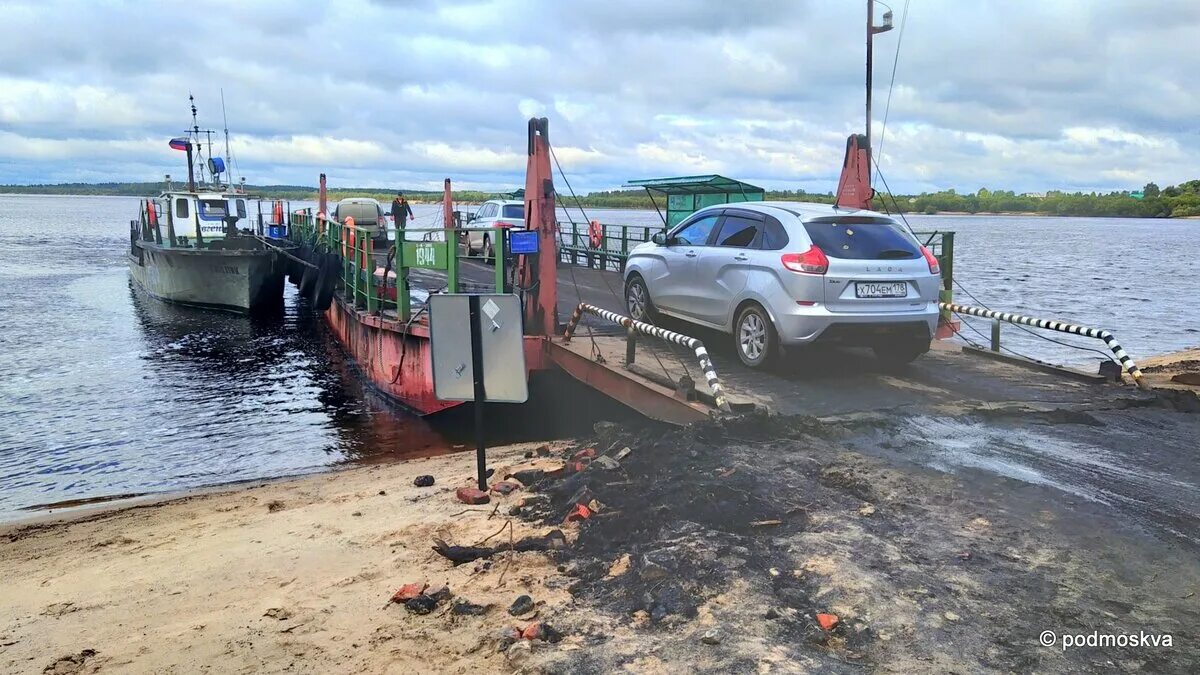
point(574, 230)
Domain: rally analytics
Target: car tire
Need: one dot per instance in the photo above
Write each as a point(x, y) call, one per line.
point(637, 300)
point(754, 337)
point(894, 353)
point(487, 250)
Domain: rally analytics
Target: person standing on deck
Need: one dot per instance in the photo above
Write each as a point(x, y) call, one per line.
point(401, 211)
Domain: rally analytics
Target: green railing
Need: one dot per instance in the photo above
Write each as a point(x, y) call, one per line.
point(376, 280)
point(616, 241)
point(941, 244)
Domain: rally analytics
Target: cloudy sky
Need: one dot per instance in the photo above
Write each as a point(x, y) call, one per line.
point(1027, 95)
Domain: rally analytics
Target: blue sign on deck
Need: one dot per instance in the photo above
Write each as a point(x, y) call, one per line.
point(522, 242)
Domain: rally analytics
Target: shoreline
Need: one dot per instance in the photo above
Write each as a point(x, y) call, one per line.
point(261, 576)
point(719, 546)
point(964, 214)
point(1159, 369)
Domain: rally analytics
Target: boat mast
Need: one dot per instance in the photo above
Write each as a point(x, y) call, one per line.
point(225, 120)
point(195, 134)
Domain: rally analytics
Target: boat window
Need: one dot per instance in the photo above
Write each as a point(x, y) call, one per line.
point(213, 208)
point(181, 208)
point(738, 231)
point(696, 233)
point(241, 208)
point(514, 210)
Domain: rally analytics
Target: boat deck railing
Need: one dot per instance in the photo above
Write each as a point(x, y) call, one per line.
point(603, 246)
point(385, 289)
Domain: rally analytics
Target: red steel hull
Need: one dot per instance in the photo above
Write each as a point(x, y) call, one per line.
point(398, 361)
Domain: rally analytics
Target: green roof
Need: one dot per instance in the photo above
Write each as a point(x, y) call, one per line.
point(695, 185)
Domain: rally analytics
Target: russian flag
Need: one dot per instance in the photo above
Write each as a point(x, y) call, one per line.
point(180, 144)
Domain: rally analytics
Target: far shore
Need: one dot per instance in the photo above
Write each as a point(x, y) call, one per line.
point(563, 204)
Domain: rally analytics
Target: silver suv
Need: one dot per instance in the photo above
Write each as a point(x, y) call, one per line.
point(506, 213)
point(782, 274)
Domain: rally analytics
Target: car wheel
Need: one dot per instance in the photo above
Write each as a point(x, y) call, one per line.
point(898, 352)
point(489, 252)
point(637, 300)
point(754, 336)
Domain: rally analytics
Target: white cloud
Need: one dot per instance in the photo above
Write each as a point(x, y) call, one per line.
point(1023, 95)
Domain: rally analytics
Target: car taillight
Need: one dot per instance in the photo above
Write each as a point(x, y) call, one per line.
point(812, 261)
point(934, 267)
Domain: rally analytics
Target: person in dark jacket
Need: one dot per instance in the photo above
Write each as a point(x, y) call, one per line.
point(401, 211)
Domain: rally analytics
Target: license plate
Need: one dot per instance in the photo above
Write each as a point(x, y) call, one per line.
point(892, 289)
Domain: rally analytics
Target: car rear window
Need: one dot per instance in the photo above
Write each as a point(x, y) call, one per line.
point(862, 238)
point(514, 211)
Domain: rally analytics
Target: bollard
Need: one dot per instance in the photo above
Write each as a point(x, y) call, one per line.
point(996, 335)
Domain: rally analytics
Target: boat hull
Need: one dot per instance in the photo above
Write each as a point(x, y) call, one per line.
point(233, 280)
point(396, 358)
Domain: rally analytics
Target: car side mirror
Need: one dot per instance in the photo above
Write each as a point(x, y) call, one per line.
point(659, 238)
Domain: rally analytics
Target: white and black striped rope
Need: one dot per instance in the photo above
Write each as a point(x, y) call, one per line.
point(706, 364)
point(1062, 327)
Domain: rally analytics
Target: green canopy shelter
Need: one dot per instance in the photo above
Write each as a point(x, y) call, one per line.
point(686, 194)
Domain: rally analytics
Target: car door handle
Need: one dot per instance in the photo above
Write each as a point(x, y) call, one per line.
point(690, 254)
point(741, 257)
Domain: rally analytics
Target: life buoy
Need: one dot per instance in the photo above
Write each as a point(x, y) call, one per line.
point(278, 212)
point(595, 233)
point(151, 214)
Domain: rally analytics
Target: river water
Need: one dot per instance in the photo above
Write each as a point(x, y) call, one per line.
point(104, 391)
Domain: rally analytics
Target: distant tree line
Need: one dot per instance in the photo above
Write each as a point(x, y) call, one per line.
point(1176, 201)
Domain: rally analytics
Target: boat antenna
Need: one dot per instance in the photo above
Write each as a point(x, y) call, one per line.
point(194, 132)
point(228, 154)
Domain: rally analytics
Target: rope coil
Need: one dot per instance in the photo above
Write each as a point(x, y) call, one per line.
point(1062, 327)
point(706, 364)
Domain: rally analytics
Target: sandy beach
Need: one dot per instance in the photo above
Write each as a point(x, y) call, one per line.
point(757, 544)
point(292, 575)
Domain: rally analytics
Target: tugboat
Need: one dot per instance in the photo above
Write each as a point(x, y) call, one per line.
point(197, 246)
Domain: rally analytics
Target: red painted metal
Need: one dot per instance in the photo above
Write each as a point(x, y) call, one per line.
point(322, 198)
point(946, 329)
point(447, 206)
point(396, 358)
point(640, 394)
point(854, 187)
point(538, 273)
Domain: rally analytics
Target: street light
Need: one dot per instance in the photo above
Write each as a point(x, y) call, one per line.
point(872, 30)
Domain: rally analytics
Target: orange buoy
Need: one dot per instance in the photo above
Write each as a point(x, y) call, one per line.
point(595, 233)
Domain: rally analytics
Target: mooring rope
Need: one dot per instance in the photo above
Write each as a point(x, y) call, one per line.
point(1062, 327)
point(706, 364)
